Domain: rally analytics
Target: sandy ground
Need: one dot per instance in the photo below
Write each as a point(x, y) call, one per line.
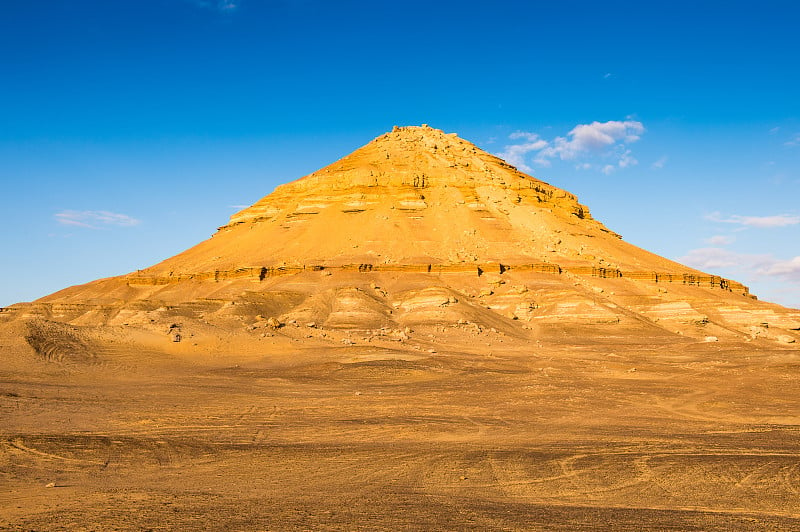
point(516, 436)
point(416, 337)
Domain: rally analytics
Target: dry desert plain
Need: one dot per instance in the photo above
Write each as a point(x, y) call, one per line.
point(365, 349)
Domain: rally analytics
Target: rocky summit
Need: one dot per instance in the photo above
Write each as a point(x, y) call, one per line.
point(416, 336)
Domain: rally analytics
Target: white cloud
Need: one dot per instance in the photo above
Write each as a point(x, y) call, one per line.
point(721, 240)
point(219, 5)
point(626, 160)
point(761, 222)
point(95, 219)
point(782, 275)
point(788, 269)
point(659, 164)
point(594, 138)
point(711, 258)
point(794, 141)
point(524, 135)
point(515, 153)
point(604, 140)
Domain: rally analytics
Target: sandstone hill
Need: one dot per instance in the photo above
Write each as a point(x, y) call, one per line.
point(418, 227)
point(416, 337)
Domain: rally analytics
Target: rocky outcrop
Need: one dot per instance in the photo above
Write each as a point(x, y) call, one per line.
point(264, 272)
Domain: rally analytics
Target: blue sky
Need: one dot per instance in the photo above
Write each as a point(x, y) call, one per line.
point(130, 130)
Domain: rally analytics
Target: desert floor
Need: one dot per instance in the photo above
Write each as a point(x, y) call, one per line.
point(551, 435)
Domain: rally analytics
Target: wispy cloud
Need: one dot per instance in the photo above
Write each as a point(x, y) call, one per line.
point(94, 219)
point(709, 259)
point(721, 240)
point(763, 265)
point(585, 143)
point(515, 153)
point(794, 141)
point(224, 6)
point(783, 275)
point(786, 269)
point(659, 164)
point(761, 222)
